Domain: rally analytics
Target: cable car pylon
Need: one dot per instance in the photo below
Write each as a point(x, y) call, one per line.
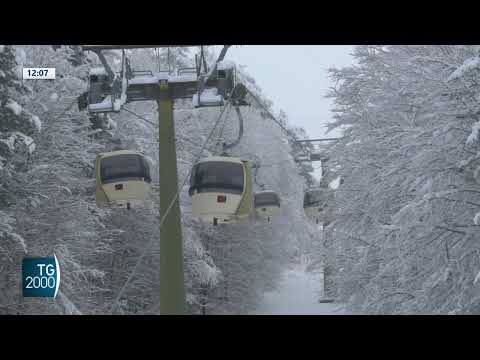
point(164, 90)
point(172, 283)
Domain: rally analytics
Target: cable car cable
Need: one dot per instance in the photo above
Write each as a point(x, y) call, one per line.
point(139, 116)
point(288, 132)
point(156, 125)
point(166, 213)
point(223, 126)
point(240, 130)
point(271, 115)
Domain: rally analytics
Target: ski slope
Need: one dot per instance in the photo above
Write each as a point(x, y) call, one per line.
point(298, 294)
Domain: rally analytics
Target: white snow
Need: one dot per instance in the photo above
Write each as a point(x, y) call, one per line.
point(468, 65)
point(225, 64)
point(453, 312)
point(30, 144)
point(476, 219)
point(18, 239)
point(98, 71)
point(155, 78)
point(390, 227)
point(191, 299)
point(41, 167)
point(474, 134)
point(36, 121)
point(117, 105)
point(476, 278)
point(14, 106)
point(150, 160)
point(144, 80)
point(334, 184)
point(95, 273)
point(2, 47)
point(427, 187)
point(183, 78)
point(54, 96)
point(447, 273)
point(112, 123)
point(21, 137)
point(303, 158)
point(69, 307)
point(298, 295)
point(476, 174)
point(2, 74)
point(67, 190)
point(73, 84)
point(18, 136)
point(469, 160)
point(207, 97)
point(195, 100)
point(438, 194)
point(10, 142)
point(106, 104)
point(20, 56)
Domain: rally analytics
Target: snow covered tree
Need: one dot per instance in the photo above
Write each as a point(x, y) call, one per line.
point(18, 129)
point(407, 225)
point(47, 201)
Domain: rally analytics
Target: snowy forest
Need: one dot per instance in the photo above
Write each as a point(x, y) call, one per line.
point(47, 193)
point(405, 176)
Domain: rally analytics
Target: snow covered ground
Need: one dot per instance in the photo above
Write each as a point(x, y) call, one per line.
point(298, 294)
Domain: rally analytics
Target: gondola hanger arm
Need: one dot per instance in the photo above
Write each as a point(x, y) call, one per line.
point(104, 62)
point(210, 75)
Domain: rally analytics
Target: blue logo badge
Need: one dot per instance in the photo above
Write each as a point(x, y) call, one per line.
point(40, 277)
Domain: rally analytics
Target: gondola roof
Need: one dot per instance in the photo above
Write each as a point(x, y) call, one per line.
point(119, 152)
point(221, 159)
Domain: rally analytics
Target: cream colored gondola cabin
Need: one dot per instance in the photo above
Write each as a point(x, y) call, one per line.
point(122, 179)
point(267, 204)
point(318, 204)
point(221, 190)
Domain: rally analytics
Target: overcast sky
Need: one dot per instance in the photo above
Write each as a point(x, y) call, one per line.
point(295, 78)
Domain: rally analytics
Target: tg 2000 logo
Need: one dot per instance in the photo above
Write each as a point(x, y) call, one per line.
point(40, 276)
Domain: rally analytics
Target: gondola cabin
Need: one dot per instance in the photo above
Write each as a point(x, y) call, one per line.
point(221, 190)
point(267, 204)
point(318, 205)
point(122, 178)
